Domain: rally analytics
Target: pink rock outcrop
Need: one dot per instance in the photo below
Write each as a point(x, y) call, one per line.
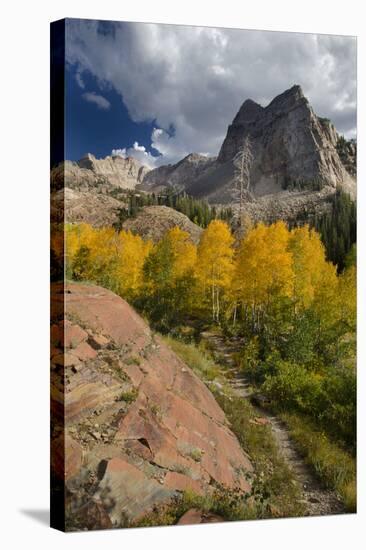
point(137, 418)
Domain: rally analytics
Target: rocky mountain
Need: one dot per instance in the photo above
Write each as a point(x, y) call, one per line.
point(140, 427)
point(74, 206)
point(347, 151)
point(100, 209)
point(179, 176)
point(292, 148)
point(298, 160)
point(101, 174)
point(290, 144)
point(152, 222)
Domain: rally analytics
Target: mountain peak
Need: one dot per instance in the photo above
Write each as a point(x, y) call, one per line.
point(252, 117)
point(195, 157)
point(290, 144)
point(248, 112)
point(288, 98)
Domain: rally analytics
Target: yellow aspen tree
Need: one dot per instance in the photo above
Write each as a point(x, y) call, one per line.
point(103, 251)
point(263, 268)
point(77, 237)
point(110, 259)
point(183, 250)
point(308, 255)
point(132, 252)
point(326, 299)
point(250, 257)
point(214, 266)
point(183, 281)
point(246, 225)
point(279, 272)
point(72, 241)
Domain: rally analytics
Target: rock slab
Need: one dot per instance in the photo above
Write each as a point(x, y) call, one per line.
point(139, 422)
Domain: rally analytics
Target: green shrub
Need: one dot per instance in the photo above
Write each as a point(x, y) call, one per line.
point(128, 396)
point(248, 358)
point(339, 404)
point(293, 387)
point(230, 505)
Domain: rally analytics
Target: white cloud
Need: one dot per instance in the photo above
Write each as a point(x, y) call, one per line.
point(167, 148)
point(79, 80)
point(138, 152)
point(100, 101)
point(119, 152)
point(191, 81)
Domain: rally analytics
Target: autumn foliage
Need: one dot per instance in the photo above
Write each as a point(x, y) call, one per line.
point(272, 268)
point(274, 288)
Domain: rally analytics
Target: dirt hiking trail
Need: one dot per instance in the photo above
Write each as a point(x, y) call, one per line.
point(318, 501)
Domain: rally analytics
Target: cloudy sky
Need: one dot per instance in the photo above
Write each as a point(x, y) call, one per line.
point(159, 92)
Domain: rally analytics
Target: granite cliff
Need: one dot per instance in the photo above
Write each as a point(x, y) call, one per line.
point(293, 150)
point(290, 145)
point(179, 175)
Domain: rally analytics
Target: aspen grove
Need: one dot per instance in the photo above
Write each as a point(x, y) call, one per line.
point(275, 289)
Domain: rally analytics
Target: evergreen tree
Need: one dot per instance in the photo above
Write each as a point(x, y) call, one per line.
point(338, 228)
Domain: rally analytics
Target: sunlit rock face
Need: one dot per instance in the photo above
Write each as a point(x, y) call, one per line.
point(101, 174)
point(290, 144)
point(138, 422)
point(293, 149)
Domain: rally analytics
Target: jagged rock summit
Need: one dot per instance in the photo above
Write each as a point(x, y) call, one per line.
point(290, 144)
point(101, 174)
point(292, 148)
point(248, 112)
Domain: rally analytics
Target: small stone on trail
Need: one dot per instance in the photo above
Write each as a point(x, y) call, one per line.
point(261, 420)
point(194, 516)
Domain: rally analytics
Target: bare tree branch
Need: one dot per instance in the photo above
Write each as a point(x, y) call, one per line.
point(242, 163)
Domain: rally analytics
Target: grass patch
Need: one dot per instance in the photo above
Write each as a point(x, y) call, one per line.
point(128, 396)
point(197, 359)
point(196, 454)
point(333, 465)
point(156, 410)
point(132, 360)
point(274, 480)
point(230, 505)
